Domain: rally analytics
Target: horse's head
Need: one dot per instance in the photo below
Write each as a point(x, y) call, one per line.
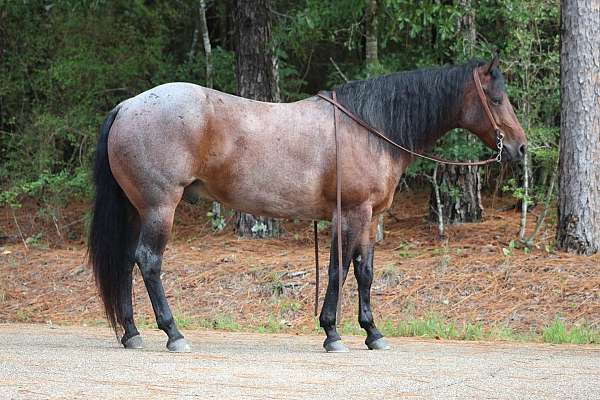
point(475, 118)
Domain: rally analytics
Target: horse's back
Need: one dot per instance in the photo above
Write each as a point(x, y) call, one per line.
point(273, 159)
point(245, 153)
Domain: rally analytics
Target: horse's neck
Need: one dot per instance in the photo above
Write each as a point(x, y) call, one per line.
point(441, 131)
point(427, 134)
point(431, 135)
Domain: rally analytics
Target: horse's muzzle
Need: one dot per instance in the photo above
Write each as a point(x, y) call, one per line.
point(514, 151)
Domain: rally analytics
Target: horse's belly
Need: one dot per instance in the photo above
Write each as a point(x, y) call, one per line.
point(195, 192)
point(277, 197)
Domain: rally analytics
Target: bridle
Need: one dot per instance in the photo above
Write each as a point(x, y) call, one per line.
point(369, 128)
point(484, 103)
point(486, 107)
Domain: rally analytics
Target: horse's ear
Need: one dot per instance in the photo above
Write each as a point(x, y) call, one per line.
point(494, 63)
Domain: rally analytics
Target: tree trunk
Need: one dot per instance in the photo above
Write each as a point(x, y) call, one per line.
point(371, 54)
point(371, 62)
point(460, 188)
point(206, 43)
point(579, 191)
point(256, 75)
point(459, 191)
point(466, 27)
point(218, 221)
point(223, 8)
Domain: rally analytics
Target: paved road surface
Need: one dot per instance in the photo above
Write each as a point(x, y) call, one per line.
point(74, 362)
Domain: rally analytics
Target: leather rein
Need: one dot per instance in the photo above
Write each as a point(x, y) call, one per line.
point(337, 106)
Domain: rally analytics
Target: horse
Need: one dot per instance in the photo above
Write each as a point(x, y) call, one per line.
point(181, 140)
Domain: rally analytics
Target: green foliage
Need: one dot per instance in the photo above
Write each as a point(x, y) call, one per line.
point(557, 333)
point(217, 221)
point(225, 323)
point(54, 189)
point(508, 251)
point(65, 64)
point(322, 226)
point(434, 326)
point(259, 229)
point(406, 250)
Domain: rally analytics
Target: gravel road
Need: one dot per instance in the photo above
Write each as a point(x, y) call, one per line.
point(37, 362)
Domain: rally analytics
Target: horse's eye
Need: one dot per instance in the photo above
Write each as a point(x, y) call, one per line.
point(496, 101)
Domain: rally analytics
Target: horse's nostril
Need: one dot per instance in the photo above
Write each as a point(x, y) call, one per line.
point(522, 149)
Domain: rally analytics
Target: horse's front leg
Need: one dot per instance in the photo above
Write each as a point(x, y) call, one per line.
point(363, 271)
point(351, 228)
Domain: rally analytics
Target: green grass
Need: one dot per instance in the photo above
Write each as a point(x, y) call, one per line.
point(291, 306)
point(406, 250)
point(220, 322)
point(144, 322)
point(23, 315)
point(557, 332)
point(273, 325)
point(432, 326)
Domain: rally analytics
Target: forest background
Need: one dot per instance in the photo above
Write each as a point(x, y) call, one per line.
point(65, 64)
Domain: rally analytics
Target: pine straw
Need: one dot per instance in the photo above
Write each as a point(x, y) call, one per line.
point(256, 282)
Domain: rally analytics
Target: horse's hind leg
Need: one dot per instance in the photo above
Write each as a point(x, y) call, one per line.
point(131, 337)
point(156, 224)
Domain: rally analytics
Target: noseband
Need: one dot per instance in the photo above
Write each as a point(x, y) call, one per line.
point(369, 128)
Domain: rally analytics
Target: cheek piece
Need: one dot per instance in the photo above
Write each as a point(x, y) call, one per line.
point(486, 108)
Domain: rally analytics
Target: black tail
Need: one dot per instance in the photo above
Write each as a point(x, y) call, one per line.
point(110, 235)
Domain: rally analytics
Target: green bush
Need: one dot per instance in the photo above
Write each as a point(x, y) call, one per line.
point(65, 64)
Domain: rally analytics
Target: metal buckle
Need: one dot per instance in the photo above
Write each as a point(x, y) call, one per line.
point(499, 144)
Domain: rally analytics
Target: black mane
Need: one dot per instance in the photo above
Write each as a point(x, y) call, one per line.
point(411, 108)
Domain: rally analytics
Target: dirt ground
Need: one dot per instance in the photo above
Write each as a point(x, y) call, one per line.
point(230, 283)
point(37, 362)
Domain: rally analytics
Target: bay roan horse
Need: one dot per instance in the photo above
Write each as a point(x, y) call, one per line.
point(181, 140)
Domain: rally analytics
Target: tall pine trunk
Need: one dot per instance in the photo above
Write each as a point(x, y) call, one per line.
point(256, 75)
point(371, 62)
point(579, 191)
point(371, 42)
point(218, 222)
point(459, 188)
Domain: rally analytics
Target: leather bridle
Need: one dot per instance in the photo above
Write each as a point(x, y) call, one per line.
point(337, 106)
point(486, 107)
